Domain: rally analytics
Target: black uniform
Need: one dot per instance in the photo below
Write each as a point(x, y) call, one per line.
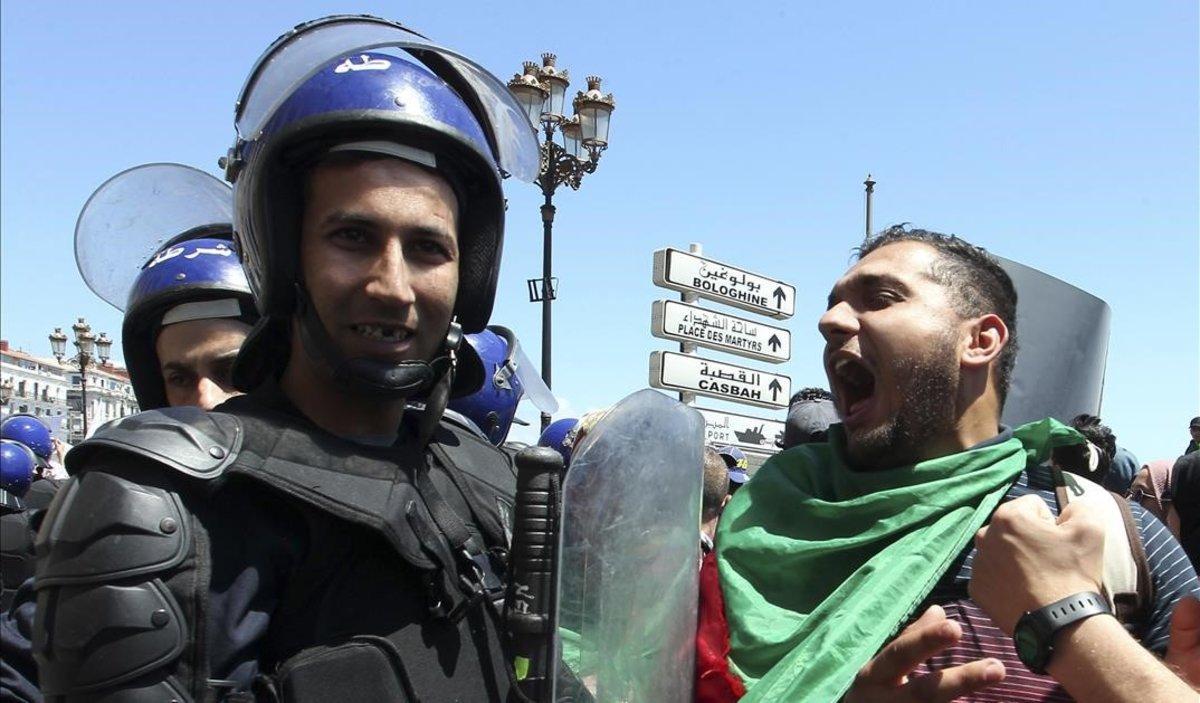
point(248, 549)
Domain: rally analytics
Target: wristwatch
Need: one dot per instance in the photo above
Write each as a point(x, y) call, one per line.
point(1035, 631)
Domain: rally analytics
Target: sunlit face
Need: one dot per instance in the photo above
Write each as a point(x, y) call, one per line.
point(379, 257)
point(196, 360)
point(892, 355)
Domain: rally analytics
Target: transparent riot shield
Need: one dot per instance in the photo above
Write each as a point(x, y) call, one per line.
point(1062, 334)
point(628, 555)
point(134, 213)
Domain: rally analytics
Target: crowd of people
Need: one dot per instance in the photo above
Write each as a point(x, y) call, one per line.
point(317, 500)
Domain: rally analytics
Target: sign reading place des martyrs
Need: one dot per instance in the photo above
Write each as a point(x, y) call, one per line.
point(708, 328)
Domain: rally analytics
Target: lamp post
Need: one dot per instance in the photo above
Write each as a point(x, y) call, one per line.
point(88, 347)
point(870, 184)
point(582, 137)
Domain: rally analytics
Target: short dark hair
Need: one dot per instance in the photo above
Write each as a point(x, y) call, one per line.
point(979, 284)
point(808, 395)
point(716, 484)
point(1095, 431)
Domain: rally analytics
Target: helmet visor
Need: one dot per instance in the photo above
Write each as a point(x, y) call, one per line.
point(535, 388)
point(301, 52)
point(134, 213)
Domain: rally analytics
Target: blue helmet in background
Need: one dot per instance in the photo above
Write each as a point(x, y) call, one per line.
point(189, 279)
point(156, 241)
point(360, 84)
point(31, 432)
point(555, 436)
point(508, 375)
point(17, 464)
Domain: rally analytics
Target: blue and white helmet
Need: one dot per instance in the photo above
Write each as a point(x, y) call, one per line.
point(359, 83)
point(508, 376)
point(156, 241)
point(557, 435)
point(17, 464)
point(30, 432)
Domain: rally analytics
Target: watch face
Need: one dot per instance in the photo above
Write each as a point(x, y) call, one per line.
point(1028, 647)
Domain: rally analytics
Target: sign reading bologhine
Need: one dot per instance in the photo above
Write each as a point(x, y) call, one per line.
point(682, 271)
point(694, 374)
point(715, 330)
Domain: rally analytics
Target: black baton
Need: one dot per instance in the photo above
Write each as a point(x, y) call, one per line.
point(530, 602)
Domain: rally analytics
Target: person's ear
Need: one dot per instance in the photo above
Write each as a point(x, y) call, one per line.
point(987, 336)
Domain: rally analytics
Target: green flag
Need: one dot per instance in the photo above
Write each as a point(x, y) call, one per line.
point(820, 564)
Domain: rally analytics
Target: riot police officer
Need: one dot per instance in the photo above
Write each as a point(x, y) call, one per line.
point(156, 241)
point(33, 434)
point(312, 539)
point(17, 465)
point(509, 377)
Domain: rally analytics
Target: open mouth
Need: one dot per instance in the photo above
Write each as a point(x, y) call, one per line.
point(854, 386)
point(382, 333)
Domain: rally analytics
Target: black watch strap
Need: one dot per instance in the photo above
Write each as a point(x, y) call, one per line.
point(1035, 631)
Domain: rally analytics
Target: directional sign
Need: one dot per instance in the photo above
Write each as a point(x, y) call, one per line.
point(750, 433)
point(681, 271)
point(688, 323)
point(694, 374)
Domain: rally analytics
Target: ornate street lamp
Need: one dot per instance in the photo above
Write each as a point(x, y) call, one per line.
point(542, 92)
point(88, 347)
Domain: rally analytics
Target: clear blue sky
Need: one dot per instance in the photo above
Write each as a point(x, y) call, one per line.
point(1062, 135)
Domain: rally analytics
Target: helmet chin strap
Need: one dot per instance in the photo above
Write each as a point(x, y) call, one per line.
point(405, 379)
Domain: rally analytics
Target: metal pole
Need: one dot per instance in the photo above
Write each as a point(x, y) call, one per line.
point(547, 293)
point(689, 347)
point(83, 391)
point(870, 184)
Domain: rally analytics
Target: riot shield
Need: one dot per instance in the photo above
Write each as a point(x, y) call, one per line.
point(1062, 333)
point(134, 213)
point(628, 555)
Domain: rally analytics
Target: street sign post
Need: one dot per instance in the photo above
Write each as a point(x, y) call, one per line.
point(715, 330)
point(681, 271)
point(716, 379)
point(754, 434)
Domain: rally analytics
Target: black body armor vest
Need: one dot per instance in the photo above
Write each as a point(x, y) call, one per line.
point(378, 568)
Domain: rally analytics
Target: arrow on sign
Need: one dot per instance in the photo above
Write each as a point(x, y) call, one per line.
point(775, 388)
point(780, 296)
point(774, 342)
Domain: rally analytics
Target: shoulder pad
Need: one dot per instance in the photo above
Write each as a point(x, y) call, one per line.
point(187, 439)
point(458, 420)
point(475, 456)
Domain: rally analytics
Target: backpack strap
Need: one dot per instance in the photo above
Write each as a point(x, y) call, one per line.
point(1127, 583)
point(1137, 611)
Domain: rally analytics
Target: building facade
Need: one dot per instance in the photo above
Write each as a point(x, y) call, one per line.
point(52, 392)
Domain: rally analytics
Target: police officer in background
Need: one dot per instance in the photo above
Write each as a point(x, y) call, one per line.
point(17, 465)
point(186, 321)
point(312, 540)
point(156, 242)
point(508, 377)
point(31, 432)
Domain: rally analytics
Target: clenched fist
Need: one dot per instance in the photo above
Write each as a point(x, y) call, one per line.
point(1026, 559)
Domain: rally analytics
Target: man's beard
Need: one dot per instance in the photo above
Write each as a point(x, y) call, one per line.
point(928, 388)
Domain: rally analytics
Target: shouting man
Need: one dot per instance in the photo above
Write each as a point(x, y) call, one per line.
point(835, 547)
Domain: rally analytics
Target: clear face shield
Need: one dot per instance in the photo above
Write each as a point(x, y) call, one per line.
point(517, 364)
point(132, 215)
point(297, 55)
